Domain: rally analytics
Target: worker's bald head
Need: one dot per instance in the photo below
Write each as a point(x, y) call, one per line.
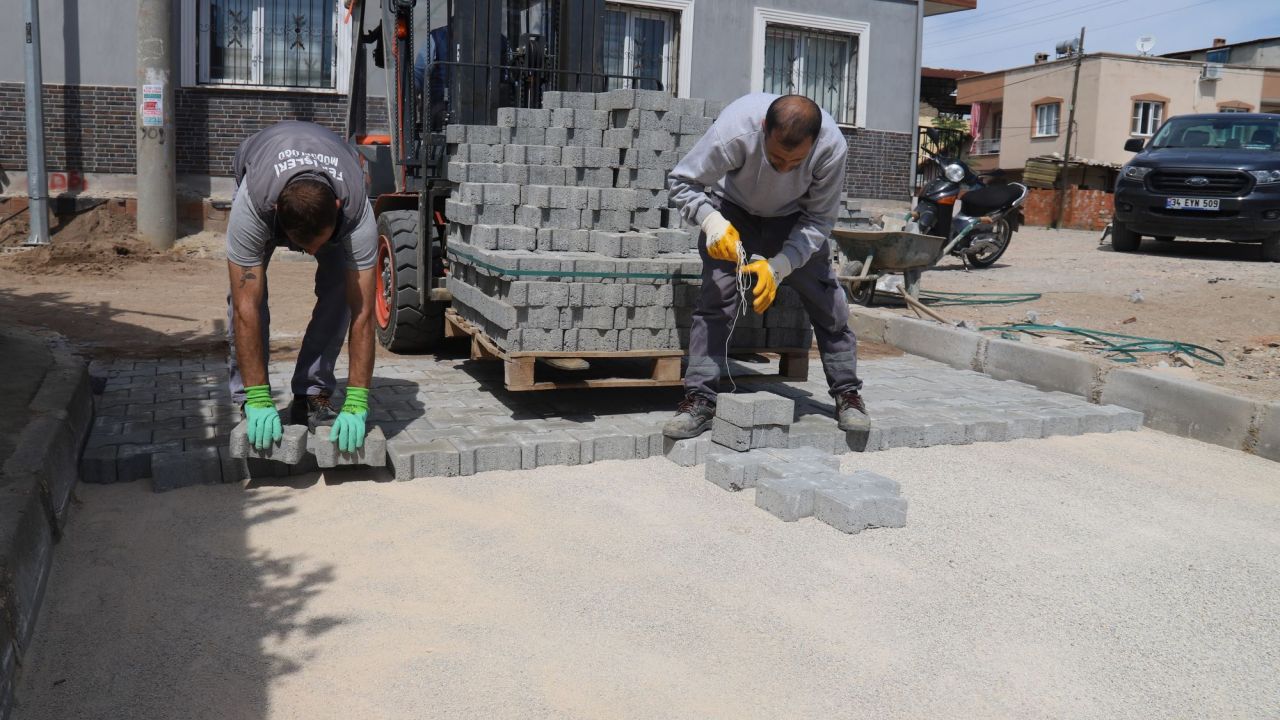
point(793, 120)
point(791, 128)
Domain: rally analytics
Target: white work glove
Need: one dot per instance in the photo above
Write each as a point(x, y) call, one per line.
point(723, 242)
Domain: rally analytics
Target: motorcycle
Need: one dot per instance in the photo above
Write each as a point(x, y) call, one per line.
point(989, 214)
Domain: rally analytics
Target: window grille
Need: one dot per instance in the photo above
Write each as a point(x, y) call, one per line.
point(821, 66)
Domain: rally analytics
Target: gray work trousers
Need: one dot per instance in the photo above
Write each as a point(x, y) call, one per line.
point(824, 300)
point(330, 319)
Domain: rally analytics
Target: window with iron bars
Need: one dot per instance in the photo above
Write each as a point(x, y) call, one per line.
point(269, 43)
point(640, 48)
point(821, 66)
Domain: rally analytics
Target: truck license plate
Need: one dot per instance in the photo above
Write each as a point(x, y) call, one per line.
point(1191, 204)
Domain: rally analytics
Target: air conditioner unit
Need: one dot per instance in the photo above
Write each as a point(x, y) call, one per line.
point(1211, 71)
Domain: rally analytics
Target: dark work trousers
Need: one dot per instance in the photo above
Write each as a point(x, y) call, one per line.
point(824, 300)
point(323, 339)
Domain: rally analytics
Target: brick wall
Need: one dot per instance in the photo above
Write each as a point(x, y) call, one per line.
point(1085, 209)
point(879, 164)
point(90, 128)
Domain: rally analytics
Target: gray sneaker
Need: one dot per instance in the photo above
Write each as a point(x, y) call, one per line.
point(693, 417)
point(851, 414)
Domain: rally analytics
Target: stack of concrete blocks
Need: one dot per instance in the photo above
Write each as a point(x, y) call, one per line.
point(562, 236)
point(745, 421)
point(806, 482)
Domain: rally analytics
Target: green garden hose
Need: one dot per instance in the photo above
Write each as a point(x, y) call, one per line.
point(1119, 347)
point(944, 299)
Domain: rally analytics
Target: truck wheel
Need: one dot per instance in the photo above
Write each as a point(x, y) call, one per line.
point(404, 324)
point(1271, 248)
point(1123, 239)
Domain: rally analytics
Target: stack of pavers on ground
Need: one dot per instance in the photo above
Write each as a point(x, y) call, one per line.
point(562, 237)
point(794, 483)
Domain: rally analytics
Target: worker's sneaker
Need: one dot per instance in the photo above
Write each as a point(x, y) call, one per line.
point(693, 417)
point(851, 414)
point(312, 410)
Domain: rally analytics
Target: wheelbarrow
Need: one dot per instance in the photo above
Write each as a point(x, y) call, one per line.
point(872, 254)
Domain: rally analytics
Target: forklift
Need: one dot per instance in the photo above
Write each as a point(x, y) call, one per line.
point(447, 62)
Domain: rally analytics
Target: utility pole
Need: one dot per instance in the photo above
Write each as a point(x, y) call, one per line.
point(37, 180)
point(1071, 126)
point(157, 183)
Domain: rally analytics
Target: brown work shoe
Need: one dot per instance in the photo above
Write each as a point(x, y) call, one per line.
point(693, 417)
point(312, 410)
point(851, 413)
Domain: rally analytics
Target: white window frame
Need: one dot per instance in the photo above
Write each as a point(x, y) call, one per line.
point(1057, 120)
point(764, 17)
point(1230, 109)
point(194, 59)
point(684, 36)
point(1154, 118)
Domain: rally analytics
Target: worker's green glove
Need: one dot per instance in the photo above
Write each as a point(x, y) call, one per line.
point(348, 429)
point(264, 419)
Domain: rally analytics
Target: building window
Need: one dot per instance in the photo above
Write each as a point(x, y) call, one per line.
point(269, 43)
point(997, 125)
point(640, 48)
point(821, 66)
point(1146, 118)
point(1047, 119)
point(1218, 56)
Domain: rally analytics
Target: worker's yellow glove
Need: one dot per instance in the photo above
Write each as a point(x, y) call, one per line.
point(722, 238)
point(766, 285)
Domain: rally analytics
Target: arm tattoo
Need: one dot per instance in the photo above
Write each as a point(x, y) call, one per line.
point(246, 275)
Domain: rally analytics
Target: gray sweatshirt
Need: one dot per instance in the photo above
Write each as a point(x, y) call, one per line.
point(730, 161)
point(267, 161)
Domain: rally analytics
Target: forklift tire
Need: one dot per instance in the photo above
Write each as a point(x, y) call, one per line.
point(404, 324)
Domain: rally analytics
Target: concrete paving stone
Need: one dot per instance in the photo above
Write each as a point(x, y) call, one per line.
point(687, 452)
point(578, 100)
point(593, 177)
point(587, 137)
point(619, 138)
point(373, 453)
point(233, 469)
point(170, 471)
point(1122, 419)
point(559, 137)
point(1059, 422)
point(802, 456)
point(561, 117)
point(852, 510)
point(550, 448)
point(985, 430)
point(728, 435)
point(518, 174)
point(486, 454)
point(529, 136)
point(755, 408)
point(735, 471)
point(98, 465)
point(791, 498)
point(770, 436)
point(289, 449)
point(604, 443)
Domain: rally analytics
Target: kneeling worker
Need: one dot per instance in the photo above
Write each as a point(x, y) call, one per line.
point(765, 180)
point(301, 186)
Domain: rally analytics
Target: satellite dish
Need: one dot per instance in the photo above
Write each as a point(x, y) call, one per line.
point(1145, 43)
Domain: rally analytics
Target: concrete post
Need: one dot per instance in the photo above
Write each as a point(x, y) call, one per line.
point(37, 180)
point(157, 182)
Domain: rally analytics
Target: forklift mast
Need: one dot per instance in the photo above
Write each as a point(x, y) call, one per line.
point(482, 55)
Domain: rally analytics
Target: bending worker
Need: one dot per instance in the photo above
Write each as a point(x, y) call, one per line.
point(299, 185)
point(765, 181)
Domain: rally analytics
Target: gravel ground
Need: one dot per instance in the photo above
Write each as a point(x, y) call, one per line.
point(1215, 294)
point(1106, 576)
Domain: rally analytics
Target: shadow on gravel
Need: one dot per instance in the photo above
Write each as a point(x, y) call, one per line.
point(1196, 250)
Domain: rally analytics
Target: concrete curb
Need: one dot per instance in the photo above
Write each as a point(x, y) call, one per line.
point(1188, 408)
point(36, 486)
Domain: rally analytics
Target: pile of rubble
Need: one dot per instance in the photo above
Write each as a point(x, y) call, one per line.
point(562, 237)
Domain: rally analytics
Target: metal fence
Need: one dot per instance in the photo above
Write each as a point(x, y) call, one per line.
point(821, 66)
point(279, 43)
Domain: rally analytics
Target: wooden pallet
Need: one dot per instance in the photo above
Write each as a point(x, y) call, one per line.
point(653, 368)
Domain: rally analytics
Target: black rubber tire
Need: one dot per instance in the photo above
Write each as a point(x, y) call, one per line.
point(1123, 239)
point(1164, 238)
point(989, 260)
point(1271, 248)
point(410, 327)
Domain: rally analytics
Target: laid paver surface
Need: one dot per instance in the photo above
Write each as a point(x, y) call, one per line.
point(1121, 575)
point(452, 417)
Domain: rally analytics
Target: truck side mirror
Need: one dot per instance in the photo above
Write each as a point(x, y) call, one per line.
point(1133, 145)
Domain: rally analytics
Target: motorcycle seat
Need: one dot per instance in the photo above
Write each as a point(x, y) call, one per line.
point(990, 198)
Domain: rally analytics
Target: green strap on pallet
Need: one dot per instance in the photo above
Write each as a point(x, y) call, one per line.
point(516, 273)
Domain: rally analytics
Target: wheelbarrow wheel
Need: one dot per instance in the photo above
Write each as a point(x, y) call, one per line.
point(861, 293)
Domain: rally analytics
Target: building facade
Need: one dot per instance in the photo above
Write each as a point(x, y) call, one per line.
point(244, 64)
point(1024, 111)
